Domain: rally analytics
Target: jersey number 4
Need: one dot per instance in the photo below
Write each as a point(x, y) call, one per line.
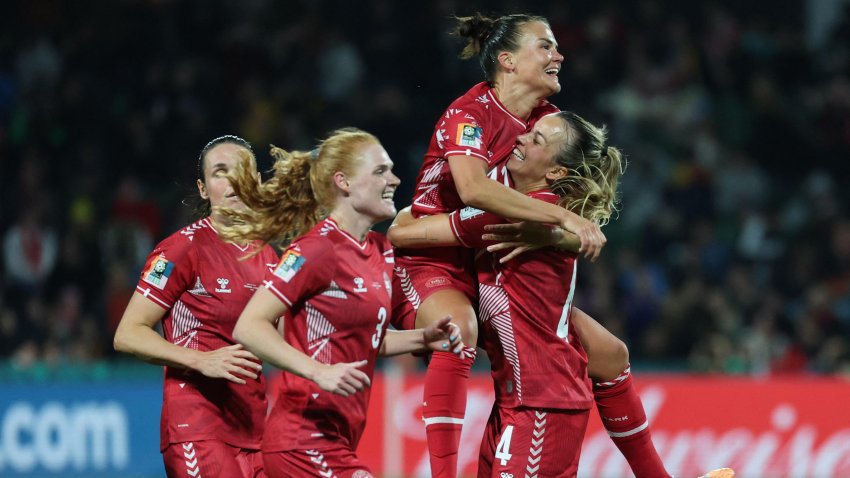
point(379, 329)
point(503, 449)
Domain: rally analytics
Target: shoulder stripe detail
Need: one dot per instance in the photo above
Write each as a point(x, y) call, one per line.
point(464, 152)
point(149, 293)
point(274, 290)
point(189, 230)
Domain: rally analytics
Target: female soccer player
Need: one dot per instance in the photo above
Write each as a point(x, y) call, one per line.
point(519, 56)
point(333, 286)
point(539, 365)
point(471, 142)
point(214, 405)
point(536, 349)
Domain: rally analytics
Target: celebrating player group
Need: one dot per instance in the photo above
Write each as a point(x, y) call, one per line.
point(511, 194)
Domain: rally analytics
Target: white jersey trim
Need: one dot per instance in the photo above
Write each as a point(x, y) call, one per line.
point(454, 217)
point(504, 110)
point(148, 293)
point(270, 286)
point(465, 152)
point(345, 234)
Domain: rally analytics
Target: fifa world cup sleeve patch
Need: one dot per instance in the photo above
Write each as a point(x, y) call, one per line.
point(158, 273)
point(290, 264)
point(469, 135)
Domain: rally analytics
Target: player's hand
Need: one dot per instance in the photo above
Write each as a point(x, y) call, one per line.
point(342, 378)
point(230, 363)
point(523, 236)
point(518, 237)
point(443, 336)
point(589, 233)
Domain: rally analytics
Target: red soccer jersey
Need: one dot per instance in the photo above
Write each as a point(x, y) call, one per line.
point(476, 125)
point(338, 291)
point(204, 286)
point(525, 307)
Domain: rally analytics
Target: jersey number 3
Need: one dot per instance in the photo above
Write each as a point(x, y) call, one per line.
point(379, 329)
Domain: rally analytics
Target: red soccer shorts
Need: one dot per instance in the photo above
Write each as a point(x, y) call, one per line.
point(339, 462)
point(211, 459)
point(415, 281)
point(533, 442)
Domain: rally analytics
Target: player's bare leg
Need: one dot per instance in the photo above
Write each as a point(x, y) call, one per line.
point(444, 404)
point(619, 405)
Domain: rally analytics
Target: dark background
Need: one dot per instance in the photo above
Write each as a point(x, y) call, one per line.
point(732, 250)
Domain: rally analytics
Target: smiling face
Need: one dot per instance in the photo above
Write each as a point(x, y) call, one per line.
point(537, 62)
point(533, 158)
point(218, 162)
point(373, 184)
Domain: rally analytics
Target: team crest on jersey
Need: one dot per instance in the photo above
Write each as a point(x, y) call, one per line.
point(469, 135)
point(199, 289)
point(158, 273)
point(290, 264)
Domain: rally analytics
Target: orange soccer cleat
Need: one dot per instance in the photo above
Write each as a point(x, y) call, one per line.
point(720, 473)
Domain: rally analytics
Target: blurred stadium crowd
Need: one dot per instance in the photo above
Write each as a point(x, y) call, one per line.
point(732, 249)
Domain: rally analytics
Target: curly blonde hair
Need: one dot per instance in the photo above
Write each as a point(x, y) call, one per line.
point(590, 188)
point(299, 194)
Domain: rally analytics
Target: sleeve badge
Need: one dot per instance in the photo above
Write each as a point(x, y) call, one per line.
point(158, 273)
point(469, 135)
point(290, 264)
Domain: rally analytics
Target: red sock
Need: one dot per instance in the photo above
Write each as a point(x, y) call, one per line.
point(445, 407)
point(625, 420)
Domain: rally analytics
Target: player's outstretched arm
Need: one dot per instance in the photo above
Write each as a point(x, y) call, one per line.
point(441, 336)
point(427, 231)
point(136, 335)
point(256, 330)
point(476, 189)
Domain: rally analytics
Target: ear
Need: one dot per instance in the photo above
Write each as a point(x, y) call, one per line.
point(342, 182)
point(202, 190)
point(506, 60)
point(556, 173)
